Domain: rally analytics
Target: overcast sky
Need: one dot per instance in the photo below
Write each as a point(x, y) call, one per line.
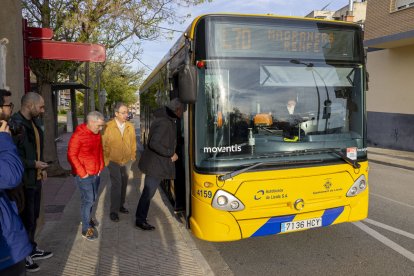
point(153, 52)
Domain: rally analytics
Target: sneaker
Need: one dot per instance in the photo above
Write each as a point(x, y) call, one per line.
point(89, 234)
point(30, 265)
point(93, 223)
point(39, 254)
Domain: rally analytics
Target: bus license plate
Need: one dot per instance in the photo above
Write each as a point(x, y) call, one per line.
point(301, 224)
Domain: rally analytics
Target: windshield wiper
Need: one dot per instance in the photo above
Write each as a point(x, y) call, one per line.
point(338, 152)
point(348, 160)
point(237, 172)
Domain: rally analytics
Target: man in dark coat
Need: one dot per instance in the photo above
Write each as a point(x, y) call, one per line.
point(30, 149)
point(157, 160)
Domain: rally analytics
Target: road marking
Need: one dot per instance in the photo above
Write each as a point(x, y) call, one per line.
point(389, 228)
point(395, 201)
point(394, 246)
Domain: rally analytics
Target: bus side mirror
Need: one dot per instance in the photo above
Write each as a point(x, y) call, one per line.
point(187, 84)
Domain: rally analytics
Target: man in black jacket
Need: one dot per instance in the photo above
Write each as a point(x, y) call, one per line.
point(30, 149)
point(157, 160)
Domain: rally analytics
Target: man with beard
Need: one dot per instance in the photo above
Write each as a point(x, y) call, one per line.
point(30, 148)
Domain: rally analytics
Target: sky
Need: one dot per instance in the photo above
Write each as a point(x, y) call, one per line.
point(153, 52)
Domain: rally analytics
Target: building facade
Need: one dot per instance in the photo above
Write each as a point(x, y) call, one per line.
point(389, 36)
point(11, 49)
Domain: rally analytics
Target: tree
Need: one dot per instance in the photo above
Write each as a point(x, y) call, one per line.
point(120, 25)
point(121, 83)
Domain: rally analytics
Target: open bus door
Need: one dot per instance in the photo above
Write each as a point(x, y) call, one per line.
point(177, 190)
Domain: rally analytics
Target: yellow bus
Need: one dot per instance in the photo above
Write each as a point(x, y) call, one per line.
point(273, 139)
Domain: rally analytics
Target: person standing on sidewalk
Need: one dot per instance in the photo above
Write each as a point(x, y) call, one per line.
point(157, 160)
point(14, 242)
point(85, 155)
point(119, 145)
point(30, 148)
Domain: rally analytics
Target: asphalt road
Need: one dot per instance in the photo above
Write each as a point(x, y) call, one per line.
point(381, 245)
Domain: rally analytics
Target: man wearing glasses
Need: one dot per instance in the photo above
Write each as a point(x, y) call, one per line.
point(86, 158)
point(119, 144)
point(14, 242)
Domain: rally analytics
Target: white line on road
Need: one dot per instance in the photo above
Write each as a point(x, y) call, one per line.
point(394, 246)
point(389, 228)
point(395, 201)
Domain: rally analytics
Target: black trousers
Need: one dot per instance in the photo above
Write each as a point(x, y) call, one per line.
point(31, 211)
point(119, 181)
point(150, 187)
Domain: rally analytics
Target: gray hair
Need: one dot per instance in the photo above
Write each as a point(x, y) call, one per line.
point(118, 105)
point(94, 116)
point(30, 98)
point(175, 104)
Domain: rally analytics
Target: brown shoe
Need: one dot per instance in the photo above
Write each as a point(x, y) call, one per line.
point(89, 234)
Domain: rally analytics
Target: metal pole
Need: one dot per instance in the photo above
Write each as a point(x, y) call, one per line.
point(92, 94)
point(86, 98)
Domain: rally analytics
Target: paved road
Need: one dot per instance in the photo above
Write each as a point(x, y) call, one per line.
point(381, 245)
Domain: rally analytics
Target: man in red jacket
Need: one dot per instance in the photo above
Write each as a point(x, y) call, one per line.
point(85, 155)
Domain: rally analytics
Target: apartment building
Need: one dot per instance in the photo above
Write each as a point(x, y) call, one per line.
point(389, 36)
point(359, 9)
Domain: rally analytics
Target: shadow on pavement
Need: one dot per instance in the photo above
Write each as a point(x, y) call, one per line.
point(121, 249)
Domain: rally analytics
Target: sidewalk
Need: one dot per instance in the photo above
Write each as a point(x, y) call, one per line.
point(121, 248)
point(395, 158)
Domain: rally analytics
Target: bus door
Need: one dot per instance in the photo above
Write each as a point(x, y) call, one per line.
point(177, 186)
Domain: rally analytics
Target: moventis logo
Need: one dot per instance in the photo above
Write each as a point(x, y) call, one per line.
point(234, 148)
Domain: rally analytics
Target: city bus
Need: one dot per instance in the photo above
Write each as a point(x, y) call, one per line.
point(248, 164)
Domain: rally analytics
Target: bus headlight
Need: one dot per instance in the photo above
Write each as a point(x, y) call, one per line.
point(234, 205)
point(227, 202)
point(222, 200)
point(358, 187)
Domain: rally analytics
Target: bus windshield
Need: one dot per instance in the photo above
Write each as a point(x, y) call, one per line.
point(250, 111)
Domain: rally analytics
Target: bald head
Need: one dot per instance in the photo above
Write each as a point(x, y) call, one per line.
point(32, 105)
point(30, 98)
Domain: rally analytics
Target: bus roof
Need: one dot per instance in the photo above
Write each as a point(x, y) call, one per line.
point(189, 32)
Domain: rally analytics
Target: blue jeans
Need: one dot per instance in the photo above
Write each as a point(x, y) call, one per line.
point(150, 187)
point(88, 188)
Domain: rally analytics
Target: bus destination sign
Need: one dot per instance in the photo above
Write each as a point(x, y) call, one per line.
point(281, 41)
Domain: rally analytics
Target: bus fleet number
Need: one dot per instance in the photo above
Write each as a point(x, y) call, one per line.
point(204, 193)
